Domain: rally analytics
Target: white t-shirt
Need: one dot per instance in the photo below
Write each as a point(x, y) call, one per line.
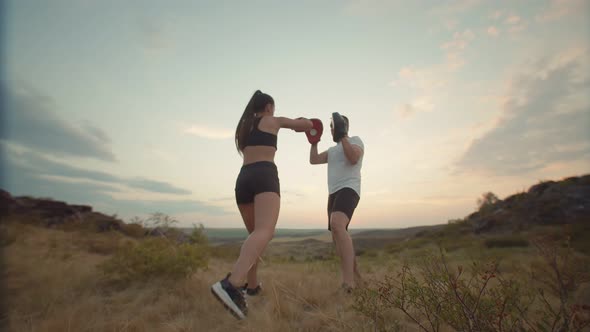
point(341, 173)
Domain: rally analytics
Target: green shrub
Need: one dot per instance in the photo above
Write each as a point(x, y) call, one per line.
point(580, 233)
point(155, 258)
point(506, 242)
point(134, 230)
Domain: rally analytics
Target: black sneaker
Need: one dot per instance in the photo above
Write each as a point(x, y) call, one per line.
point(251, 291)
point(231, 298)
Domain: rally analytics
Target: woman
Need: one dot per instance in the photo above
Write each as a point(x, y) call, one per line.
point(257, 193)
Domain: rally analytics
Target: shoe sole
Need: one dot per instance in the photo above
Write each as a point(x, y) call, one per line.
point(222, 296)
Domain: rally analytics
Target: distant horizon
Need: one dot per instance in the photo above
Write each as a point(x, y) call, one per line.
point(352, 227)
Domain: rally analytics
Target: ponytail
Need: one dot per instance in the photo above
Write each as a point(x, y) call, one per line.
point(256, 104)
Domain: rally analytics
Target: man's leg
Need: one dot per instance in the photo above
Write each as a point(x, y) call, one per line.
point(344, 247)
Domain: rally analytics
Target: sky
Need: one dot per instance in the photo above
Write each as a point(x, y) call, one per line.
point(131, 106)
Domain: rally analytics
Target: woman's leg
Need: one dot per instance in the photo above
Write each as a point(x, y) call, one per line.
point(266, 214)
point(247, 212)
point(344, 247)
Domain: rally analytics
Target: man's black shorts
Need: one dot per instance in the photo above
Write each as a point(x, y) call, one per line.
point(344, 200)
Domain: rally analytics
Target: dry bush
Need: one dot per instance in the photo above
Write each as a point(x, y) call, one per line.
point(436, 295)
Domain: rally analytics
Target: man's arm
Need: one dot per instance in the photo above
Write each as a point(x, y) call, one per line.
point(315, 158)
point(353, 152)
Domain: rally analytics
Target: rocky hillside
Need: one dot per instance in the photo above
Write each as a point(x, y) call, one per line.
point(546, 203)
point(52, 213)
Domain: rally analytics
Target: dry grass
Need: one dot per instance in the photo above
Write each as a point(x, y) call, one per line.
point(53, 284)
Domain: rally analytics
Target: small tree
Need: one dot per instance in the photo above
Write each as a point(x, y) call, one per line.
point(198, 235)
point(137, 220)
point(487, 200)
point(160, 220)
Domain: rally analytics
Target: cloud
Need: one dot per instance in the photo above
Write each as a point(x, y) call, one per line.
point(31, 121)
point(544, 119)
point(496, 15)
point(514, 24)
point(153, 35)
point(450, 24)
point(459, 42)
point(493, 31)
point(422, 104)
point(428, 81)
point(455, 48)
point(30, 162)
point(450, 8)
point(426, 78)
point(209, 132)
point(23, 180)
point(155, 186)
point(372, 7)
point(512, 19)
point(558, 9)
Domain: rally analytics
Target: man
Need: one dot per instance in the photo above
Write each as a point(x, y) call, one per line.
point(344, 161)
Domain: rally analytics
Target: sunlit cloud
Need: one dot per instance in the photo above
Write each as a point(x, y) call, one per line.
point(558, 9)
point(544, 119)
point(209, 132)
point(493, 31)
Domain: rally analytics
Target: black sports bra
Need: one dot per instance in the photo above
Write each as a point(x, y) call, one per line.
point(259, 137)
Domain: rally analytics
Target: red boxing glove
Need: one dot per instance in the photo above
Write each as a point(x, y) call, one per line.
point(315, 133)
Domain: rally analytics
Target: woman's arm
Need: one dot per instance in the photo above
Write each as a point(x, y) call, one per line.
point(300, 124)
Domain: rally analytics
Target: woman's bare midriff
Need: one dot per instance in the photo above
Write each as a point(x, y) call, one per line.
point(254, 154)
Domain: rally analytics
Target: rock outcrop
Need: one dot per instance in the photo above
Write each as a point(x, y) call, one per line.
point(52, 213)
point(546, 203)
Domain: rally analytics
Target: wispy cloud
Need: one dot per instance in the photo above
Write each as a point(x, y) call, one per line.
point(558, 9)
point(514, 24)
point(31, 174)
point(422, 104)
point(31, 121)
point(455, 48)
point(372, 7)
point(28, 162)
point(544, 119)
point(493, 31)
point(428, 81)
point(512, 19)
point(425, 78)
point(209, 132)
point(451, 8)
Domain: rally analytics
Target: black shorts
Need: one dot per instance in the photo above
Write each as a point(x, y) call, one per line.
point(344, 200)
point(256, 178)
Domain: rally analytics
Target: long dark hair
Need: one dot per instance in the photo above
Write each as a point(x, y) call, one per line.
point(256, 104)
